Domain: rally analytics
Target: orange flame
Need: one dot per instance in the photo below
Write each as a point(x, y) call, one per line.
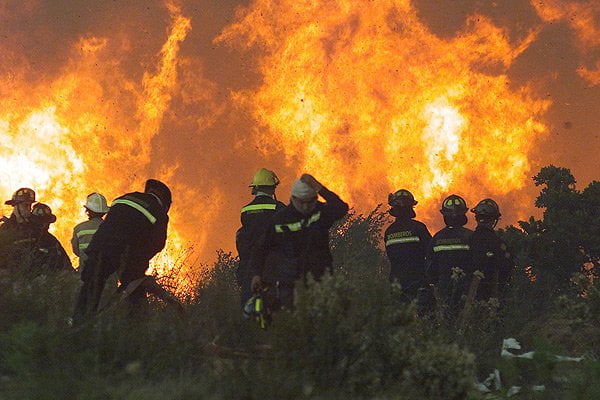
point(67, 138)
point(363, 95)
point(369, 100)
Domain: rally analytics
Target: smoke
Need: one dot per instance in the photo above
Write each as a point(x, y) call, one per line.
point(583, 19)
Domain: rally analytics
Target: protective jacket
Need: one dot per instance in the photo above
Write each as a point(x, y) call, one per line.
point(15, 241)
point(295, 244)
point(448, 249)
point(134, 231)
point(49, 254)
point(82, 236)
point(490, 256)
point(406, 242)
point(29, 248)
point(255, 218)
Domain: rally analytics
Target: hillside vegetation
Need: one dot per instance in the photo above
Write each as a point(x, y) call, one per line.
point(350, 335)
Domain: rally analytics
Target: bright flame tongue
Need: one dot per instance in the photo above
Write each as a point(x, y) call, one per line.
point(364, 96)
point(68, 137)
point(442, 138)
point(38, 155)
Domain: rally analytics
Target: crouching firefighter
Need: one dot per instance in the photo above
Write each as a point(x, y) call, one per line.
point(296, 242)
point(134, 231)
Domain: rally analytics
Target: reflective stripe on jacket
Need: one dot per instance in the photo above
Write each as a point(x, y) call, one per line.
point(295, 244)
point(255, 217)
point(406, 242)
point(82, 236)
point(449, 248)
point(138, 205)
point(134, 230)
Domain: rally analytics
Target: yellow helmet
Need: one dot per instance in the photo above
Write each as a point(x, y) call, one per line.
point(264, 177)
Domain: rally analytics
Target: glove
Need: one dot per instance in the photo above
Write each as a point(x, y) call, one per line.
point(312, 182)
point(256, 283)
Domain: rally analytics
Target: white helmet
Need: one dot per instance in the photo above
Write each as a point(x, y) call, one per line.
point(96, 203)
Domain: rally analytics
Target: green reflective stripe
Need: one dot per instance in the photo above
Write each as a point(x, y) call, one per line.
point(451, 247)
point(83, 246)
point(30, 240)
point(408, 239)
point(86, 232)
point(292, 227)
point(138, 207)
point(297, 226)
point(314, 218)
point(255, 207)
point(258, 305)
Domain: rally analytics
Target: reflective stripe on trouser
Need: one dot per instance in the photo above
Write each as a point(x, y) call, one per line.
point(408, 239)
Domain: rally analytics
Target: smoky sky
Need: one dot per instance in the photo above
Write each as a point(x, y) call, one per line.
point(211, 140)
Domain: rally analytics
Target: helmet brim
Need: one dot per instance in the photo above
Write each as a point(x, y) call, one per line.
point(15, 202)
point(253, 186)
point(94, 211)
point(453, 213)
point(484, 214)
point(46, 219)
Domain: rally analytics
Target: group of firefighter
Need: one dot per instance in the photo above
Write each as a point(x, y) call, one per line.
point(120, 239)
point(25, 243)
point(279, 245)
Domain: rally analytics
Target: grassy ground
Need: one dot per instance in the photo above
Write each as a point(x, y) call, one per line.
point(350, 336)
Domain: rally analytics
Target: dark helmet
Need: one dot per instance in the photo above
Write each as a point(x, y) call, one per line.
point(161, 190)
point(402, 198)
point(454, 205)
point(487, 208)
point(43, 213)
point(23, 195)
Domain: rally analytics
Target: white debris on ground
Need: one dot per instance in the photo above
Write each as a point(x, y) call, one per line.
point(493, 382)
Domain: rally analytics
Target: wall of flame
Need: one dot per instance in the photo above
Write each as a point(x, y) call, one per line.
point(460, 97)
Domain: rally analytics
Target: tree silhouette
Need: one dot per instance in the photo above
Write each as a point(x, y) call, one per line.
point(567, 239)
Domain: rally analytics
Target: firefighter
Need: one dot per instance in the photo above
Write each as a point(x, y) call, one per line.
point(490, 253)
point(17, 229)
point(134, 231)
point(296, 241)
point(255, 216)
point(47, 254)
point(95, 208)
point(406, 242)
point(449, 257)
